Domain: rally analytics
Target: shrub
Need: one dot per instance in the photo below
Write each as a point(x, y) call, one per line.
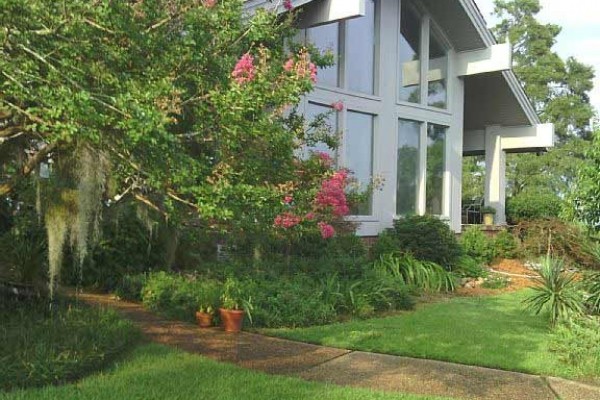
point(130, 287)
point(39, 348)
point(427, 238)
point(567, 241)
point(529, 205)
point(409, 271)
point(468, 267)
point(386, 243)
point(557, 291)
point(577, 344)
point(505, 245)
point(477, 245)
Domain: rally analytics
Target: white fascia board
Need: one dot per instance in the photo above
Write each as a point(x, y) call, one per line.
point(527, 137)
point(328, 11)
point(474, 141)
point(497, 57)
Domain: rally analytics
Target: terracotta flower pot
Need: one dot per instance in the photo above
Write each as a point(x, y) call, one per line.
point(231, 319)
point(204, 319)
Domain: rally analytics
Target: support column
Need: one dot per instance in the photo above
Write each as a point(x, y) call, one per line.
point(495, 173)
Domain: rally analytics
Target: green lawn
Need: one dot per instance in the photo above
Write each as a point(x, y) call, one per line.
point(157, 372)
point(491, 331)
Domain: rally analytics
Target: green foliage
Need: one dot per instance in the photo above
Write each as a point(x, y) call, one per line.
point(41, 348)
point(505, 245)
point(564, 240)
point(177, 296)
point(468, 267)
point(577, 344)
point(586, 197)
point(533, 204)
point(427, 238)
point(557, 291)
point(130, 287)
point(409, 271)
point(477, 245)
point(488, 210)
point(592, 282)
point(495, 282)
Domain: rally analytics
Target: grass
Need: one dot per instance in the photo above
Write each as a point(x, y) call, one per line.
point(491, 331)
point(157, 372)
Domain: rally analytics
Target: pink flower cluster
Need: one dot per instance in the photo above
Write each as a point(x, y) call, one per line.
point(338, 106)
point(287, 4)
point(327, 230)
point(287, 220)
point(324, 158)
point(332, 194)
point(209, 3)
point(302, 68)
point(244, 70)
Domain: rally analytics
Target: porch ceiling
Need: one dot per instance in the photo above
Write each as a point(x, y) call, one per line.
point(489, 100)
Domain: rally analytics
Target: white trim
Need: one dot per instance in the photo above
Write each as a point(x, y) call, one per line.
point(497, 57)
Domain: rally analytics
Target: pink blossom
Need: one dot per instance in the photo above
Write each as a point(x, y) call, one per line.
point(332, 194)
point(289, 65)
point(244, 70)
point(287, 4)
point(338, 106)
point(209, 3)
point(324, 158)
point(309, 216)
point(327, 230)
point(313, 72)
point(288, 199)
point(287, 220)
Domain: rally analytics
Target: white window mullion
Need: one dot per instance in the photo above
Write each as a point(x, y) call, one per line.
point(422, 196)
point(425, 59)
point(342, 43)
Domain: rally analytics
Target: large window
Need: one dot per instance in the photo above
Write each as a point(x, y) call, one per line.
point(436, 167)
point(410, 54)
point(407, 185)
point(353, 45)
point(358, 144)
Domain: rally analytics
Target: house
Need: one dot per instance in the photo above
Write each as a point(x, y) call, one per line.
point(423, 83)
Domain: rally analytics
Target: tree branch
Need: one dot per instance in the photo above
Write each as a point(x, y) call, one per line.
point(27, 168)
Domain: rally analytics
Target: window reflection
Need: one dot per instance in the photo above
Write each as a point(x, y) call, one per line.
point(319, 137)
point(407, 183)
point(359, 155)
point(438, 72)
point(410, 54)
point(436, 165)
point(360, 51)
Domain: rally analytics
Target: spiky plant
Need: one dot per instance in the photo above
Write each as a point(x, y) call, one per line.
point(410, 271)
point(593, 289)
point(557, 291)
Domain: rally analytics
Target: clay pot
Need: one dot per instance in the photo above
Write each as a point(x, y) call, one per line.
point(204, 319)
point(231, 319)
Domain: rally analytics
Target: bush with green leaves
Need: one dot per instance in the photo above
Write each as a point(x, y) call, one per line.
point(468, 267)
point(427, 238)
point(505, 245)
point(39, 347)
point(477, 245)
point(592, 282)
point(577, 344)
point(557, 292)
point(130, 287)
point(529, 205)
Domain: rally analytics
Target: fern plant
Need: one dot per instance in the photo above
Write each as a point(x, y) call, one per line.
point(408, 270)
point(557, 291)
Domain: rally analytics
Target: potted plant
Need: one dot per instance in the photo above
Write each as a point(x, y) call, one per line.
point(207, 300)
point(234, 306)
point(488, 215)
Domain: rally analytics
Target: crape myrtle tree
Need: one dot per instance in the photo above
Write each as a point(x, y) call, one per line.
point(184, 106)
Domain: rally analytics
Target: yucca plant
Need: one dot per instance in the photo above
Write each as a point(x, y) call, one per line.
point(593, 300)
point(408, 270)
point(557, 290)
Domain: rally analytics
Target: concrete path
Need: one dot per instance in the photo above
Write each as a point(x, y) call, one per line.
point(348, 368)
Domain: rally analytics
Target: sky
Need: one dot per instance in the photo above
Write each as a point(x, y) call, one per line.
point(580, 36)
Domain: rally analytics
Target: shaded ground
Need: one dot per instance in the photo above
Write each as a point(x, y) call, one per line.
point(343, 367)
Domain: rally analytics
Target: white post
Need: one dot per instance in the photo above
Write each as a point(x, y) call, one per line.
point(495, 173)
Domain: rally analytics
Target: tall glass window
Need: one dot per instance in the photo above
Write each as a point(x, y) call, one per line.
point(438, 72)
point(358, 143)
point(326, 38)
point(360, 51)
point(407, 185)
point(436, 165)
point(319, 136)
point(410, 54)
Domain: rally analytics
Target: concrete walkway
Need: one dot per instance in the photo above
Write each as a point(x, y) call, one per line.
point(348, 368)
